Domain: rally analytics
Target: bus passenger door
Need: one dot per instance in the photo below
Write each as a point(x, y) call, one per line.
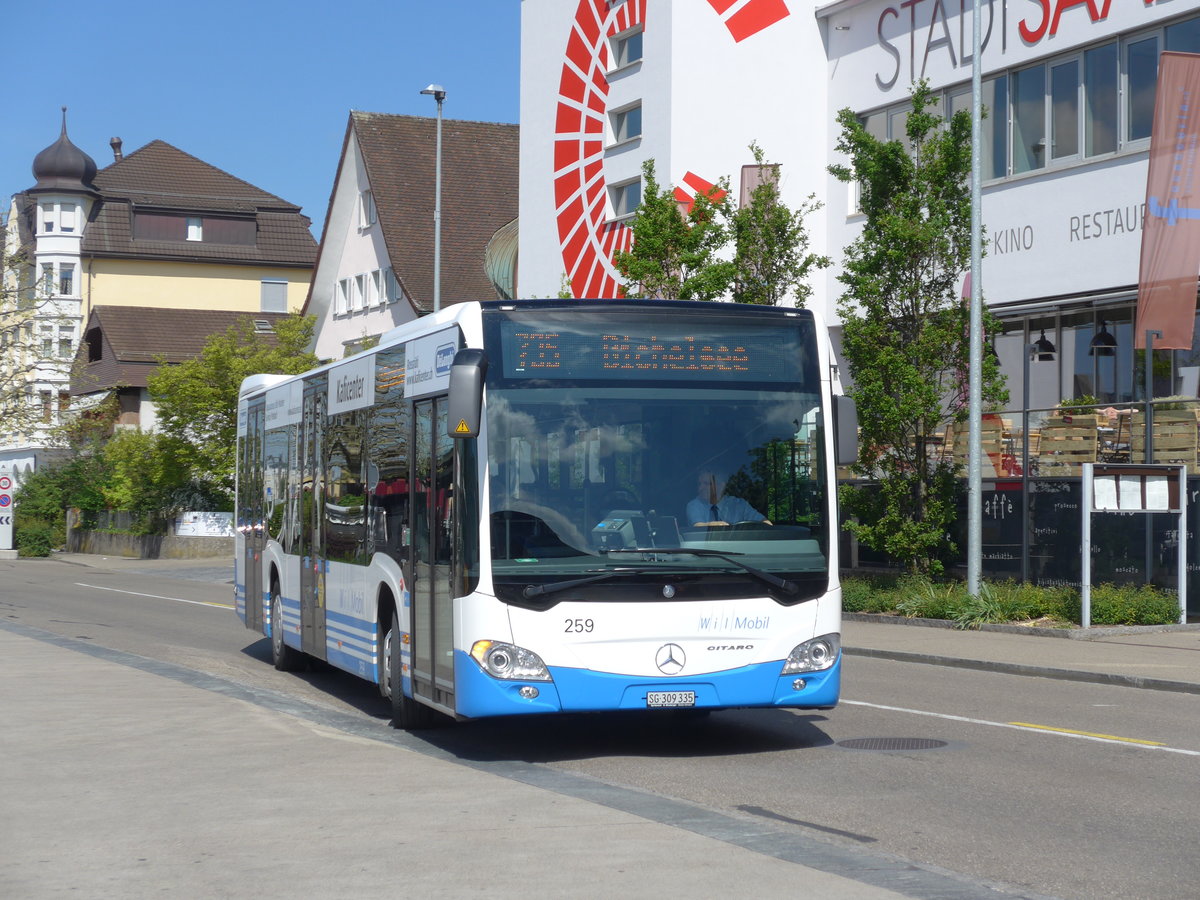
point(312, 557)
point(433, 605)
point(252, 514)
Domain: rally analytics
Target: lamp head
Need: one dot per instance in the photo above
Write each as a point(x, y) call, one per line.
point(436, 91)
point(1103, 344)
point(1044, 348)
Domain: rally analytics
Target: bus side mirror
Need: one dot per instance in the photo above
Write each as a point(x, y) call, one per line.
point(466, 393)
point(845, 431)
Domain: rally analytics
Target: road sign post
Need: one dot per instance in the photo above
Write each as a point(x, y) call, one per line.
point(1133, 489)
point(7, 488)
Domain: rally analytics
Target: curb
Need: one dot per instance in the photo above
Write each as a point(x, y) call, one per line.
point(1134, 681)
point(1073, 633)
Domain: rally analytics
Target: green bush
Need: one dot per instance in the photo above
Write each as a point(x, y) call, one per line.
point(1132, 604)
point(1008, 602)
point(37, 539)
point(868, 595)
point(921, 598)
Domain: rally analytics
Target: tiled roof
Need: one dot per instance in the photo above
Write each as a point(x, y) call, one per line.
point(479, 196)
point(137, 338)
point(161, 177)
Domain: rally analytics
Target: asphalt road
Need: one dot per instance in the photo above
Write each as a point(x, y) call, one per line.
point(922, 762)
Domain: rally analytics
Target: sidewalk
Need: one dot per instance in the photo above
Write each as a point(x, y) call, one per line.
point(1163, 658)
point(130, 778)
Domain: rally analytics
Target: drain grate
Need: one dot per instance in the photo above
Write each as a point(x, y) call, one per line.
point(891, 743)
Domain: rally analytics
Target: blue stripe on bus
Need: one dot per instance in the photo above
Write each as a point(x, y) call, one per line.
point(351, 643)
point(477, 694)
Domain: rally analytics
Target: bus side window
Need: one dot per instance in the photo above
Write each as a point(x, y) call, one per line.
point(388, 457)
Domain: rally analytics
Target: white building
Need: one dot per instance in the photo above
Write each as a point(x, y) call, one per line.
point(375, 264)
point(1070, 89)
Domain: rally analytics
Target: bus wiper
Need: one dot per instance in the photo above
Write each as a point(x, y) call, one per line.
point(788, 587)
point(539, 590)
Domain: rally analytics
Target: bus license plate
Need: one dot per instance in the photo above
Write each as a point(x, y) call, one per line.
point(660, 699)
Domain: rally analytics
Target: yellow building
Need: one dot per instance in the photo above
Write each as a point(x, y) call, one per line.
point(156, 229)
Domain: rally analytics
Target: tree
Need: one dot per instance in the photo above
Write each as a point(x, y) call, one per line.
point(675, 253)
point(771, 255)
point(32, 363)
point(905, 328)
point(197, 399)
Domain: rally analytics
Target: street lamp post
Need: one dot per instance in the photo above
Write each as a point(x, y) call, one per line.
point(1148, 380)
point(439, 94)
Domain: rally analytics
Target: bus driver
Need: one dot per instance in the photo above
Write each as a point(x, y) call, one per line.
point(712, 506)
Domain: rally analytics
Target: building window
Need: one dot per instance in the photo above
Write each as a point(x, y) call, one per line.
point(47, 341)
point(1141, 65)
point(392, 286)
point(625, 198)
point(67, 218)
point(64, 402)
point(366, 210)
point(341, 297)
point(627, 48)
point(47, 409)
point(360, 291)
point(95, 344)
point(66, 342)
point(1029, 119)
point(195, 228)
point(66, 279)
point(626, 124)
point(1100, 105)
point(378, 291)
point(48, 218)
point(48, 278)
point(1064, 110)
point(273, 295)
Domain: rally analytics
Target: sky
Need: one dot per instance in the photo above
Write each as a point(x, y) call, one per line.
point(259, 88)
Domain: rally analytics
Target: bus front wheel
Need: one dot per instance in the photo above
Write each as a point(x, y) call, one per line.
point(407, 713)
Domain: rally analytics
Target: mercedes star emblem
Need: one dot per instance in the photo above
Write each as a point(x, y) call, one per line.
point(670, 659)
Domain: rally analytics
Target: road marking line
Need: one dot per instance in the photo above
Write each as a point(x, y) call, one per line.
point(1082, 736)
point(1107, 737)
point(155, 596)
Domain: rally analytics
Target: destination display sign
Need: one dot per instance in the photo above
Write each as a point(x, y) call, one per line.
point(659, 351)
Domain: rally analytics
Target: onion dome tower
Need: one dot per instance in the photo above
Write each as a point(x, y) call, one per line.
point(64, 167)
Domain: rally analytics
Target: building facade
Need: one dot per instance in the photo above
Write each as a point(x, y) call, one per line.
point(158, 229)
point(375, 267)
point(1069, 89)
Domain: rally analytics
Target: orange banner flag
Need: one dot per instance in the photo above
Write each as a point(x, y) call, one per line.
point(1170, 259)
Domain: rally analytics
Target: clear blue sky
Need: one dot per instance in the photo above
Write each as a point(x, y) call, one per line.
point(259, 88)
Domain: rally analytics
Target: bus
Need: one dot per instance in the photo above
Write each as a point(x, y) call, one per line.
point(492, 511)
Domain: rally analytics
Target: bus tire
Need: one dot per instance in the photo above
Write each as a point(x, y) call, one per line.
point(407, 713)
point(285, 658)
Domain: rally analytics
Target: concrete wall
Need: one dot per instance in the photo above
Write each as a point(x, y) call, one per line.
point(136, 546)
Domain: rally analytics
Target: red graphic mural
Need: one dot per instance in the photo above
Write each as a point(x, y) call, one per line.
point(755, 16)
point(588, 242)
point(698, 186)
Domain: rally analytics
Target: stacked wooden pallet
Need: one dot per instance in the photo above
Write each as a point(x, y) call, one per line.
point(1066, 442)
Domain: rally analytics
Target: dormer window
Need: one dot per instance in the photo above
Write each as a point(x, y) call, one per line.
point(195, 228)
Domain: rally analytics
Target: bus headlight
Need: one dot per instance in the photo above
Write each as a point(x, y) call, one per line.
point(813, 656)
point(509, 662)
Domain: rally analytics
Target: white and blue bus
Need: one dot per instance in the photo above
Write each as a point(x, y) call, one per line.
point(554, 506)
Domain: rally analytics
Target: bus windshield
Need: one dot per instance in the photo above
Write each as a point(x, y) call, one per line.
point(630, 456)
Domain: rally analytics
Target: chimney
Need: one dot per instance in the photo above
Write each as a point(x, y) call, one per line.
point(115, 143)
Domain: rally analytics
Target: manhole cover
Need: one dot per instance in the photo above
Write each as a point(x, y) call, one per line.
point(891, 743)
